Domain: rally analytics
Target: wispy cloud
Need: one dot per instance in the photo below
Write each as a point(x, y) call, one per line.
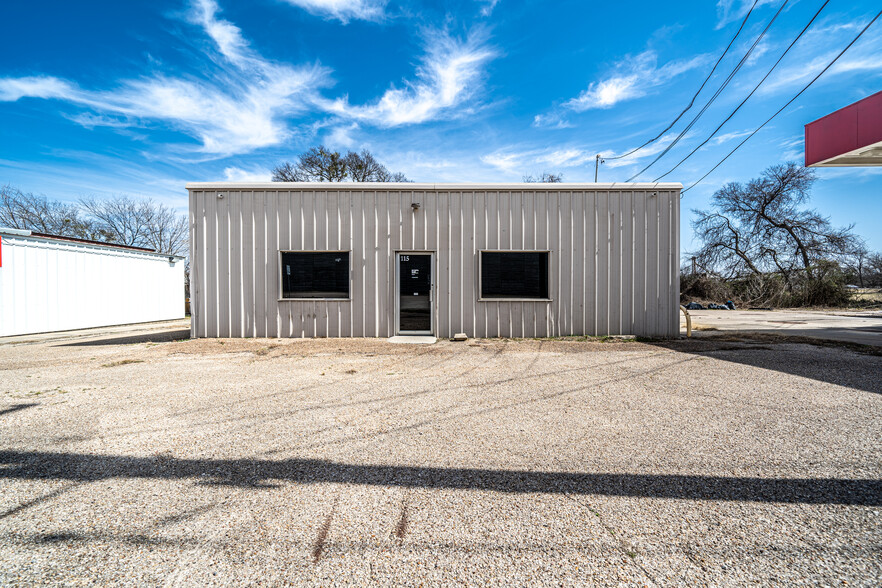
point(12, 89)
point(815, 53)
point(488, 6)
point(514, 161)
point(509, 161)
point(344, 10)
point(341, 136)
point(644, 153)
point(242, 108)
point(450, 73)
point(237, 174)
point(732, 10)
point(552, 120)
point(633, 77)
point(793, 149)
point(726, 137)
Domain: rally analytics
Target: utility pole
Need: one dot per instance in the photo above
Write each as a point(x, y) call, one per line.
point(597, 161)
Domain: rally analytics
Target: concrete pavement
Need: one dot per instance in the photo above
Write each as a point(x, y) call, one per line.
point(862, 327)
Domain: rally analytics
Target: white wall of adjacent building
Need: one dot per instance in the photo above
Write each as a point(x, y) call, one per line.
point(54, 285)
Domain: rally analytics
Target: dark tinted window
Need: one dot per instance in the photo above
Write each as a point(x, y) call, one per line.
point(514, 274)
point(315, 275)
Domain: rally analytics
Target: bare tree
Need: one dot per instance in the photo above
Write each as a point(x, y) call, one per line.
point(123, 219)
point(167, 231)
point(319, 164)
point(727, 247)
point(364, 167)
point(874, 270)
point(769, 214)
point(393, 177)
point(771, 207)
point(315, 165)
point(140, 223)
point(543, 178)
point(763, 235)
point(859, 264)
point(20, 210)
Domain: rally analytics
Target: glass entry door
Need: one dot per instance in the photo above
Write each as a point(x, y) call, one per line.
point(414, 292)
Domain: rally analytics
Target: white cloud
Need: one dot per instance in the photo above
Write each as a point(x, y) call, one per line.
point(732, 10)
point(554, 159)
point(761, 49)
point(726, 137)
point(793, 149)
point(90, 121)
point(241, 109)
point(12, 89)
point(511, 162)
point(802, 73)
point(342, 136)
point(226, 35)
point(344, 10)
point(649, 151)
point(634, 78)
point(488, 6)
point(820, 45)
point(552, 120)
point(566, 158)
point(450, 73)
point(237, 174)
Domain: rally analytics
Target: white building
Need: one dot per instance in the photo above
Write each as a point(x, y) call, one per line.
point(50, 283)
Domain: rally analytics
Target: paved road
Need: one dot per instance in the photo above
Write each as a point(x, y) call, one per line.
point(855, 327)
point(508, 463)
point(137, 333)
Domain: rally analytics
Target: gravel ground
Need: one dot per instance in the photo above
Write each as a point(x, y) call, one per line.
point(335, 462)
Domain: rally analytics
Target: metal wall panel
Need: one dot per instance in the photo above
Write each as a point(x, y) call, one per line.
point(614, 263)
point(51, 285)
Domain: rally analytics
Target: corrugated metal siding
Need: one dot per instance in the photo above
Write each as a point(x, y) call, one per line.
point(614, 259)
point(48, 285)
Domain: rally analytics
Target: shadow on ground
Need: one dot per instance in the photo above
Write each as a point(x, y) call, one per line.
point(258, 473)
point(858, 369)
point(16, 407)
point(160, 337)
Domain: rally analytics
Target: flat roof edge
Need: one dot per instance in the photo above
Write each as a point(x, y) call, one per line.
point(86, 243)
point(389, 186)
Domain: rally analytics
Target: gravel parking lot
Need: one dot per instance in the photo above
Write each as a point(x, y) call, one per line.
point(723, 462)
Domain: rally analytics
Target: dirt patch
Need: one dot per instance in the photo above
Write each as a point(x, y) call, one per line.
point(122, 362)
point(770, 338)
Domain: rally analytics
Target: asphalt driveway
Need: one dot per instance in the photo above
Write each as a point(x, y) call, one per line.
point(488, 462)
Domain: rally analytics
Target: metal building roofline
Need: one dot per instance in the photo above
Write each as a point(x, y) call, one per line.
point(88, 242)
point(438, 187)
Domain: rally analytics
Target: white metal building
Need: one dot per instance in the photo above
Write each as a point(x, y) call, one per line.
point(376, 260)
point(50, 283)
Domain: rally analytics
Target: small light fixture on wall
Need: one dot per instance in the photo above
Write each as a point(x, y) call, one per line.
point(415, 206)
point(220, 196)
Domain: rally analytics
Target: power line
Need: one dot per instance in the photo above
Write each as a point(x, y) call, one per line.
point(789, 102)
point(716, 94)
point(700, 88)
point(711, 136)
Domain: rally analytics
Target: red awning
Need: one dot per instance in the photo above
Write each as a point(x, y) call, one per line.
point(851, 136)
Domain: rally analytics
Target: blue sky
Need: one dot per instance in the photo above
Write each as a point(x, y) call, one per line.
point(101, 97)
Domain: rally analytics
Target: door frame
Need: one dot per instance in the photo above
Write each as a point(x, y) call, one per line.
point(397, 304)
